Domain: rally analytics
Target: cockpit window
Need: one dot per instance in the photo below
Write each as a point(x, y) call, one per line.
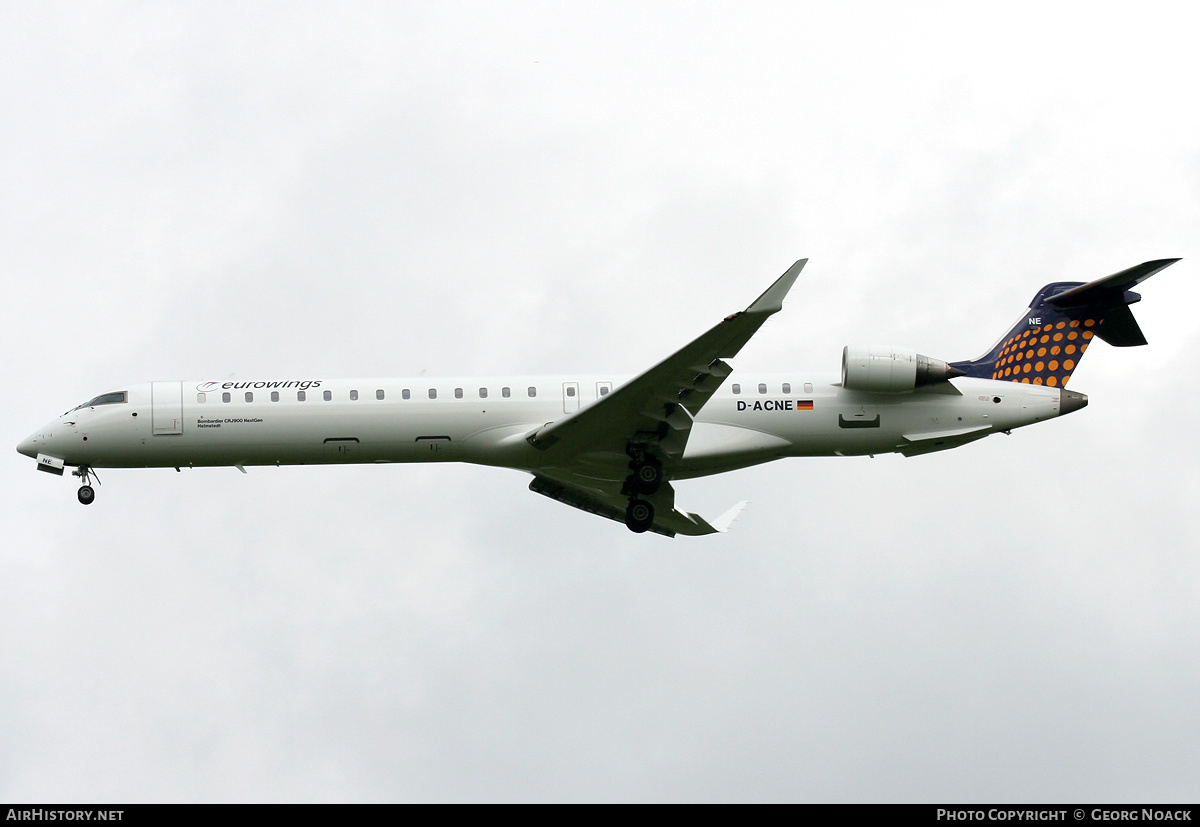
point(105, 399)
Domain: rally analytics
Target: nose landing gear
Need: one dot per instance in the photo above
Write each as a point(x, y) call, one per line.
point(87, 494)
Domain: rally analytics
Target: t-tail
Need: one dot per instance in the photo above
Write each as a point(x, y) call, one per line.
point(1044, 347)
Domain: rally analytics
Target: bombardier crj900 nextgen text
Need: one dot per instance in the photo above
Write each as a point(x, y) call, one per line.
point(608, 446)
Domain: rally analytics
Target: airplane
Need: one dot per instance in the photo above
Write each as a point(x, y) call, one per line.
point(614, 448)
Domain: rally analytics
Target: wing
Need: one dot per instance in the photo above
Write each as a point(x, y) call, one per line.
point(645, 423)
point(656, 408)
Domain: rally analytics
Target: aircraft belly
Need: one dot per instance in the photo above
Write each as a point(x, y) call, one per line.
point(722, 445)
point(301, 434)
point(842, 423)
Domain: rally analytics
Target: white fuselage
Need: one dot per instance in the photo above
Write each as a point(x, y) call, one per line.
point(753, 418)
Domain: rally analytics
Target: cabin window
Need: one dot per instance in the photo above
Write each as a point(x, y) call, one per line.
point(379, 394)
point(737, 388)
point(505, 392)
point(225, 397)
point(249, 396)
point(327, 396)
point(433, 393)
point(532, 391)
point(301, 396)
point(200, 398)
point(458, 393)
point(787, 387)
point(762, 387)
point(808, 387)
point(353, 396)
point(604, 390)
point(405, 394)
point(570, 390)
point(483, 393)
point(274, 396)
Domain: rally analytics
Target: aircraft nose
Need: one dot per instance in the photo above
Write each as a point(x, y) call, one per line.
point(28, 446)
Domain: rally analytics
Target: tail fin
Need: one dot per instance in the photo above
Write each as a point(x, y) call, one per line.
point(1045, 345)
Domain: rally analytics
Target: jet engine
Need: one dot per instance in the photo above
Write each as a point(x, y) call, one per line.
point(887, 369)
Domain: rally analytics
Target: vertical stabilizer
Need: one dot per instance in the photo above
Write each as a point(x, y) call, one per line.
point(1044, 347)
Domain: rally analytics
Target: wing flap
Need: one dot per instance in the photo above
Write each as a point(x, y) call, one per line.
point(668, 521)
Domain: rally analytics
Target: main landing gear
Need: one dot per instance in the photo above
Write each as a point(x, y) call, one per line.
point(646, 475)
point(646, 472)
point(639, 516)
point(87, 494)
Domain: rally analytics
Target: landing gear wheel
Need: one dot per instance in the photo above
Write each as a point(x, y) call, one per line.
point(639, 516)
point(86, 494)
point(647, 476)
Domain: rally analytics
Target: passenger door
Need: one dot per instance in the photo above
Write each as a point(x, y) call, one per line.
point(166, 408)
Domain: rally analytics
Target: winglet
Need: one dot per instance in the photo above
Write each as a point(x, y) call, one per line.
point(693, 525)
point(723, 522)
point(772, 300)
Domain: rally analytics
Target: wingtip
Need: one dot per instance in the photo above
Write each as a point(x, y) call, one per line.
point(771, 301)
point(722, 523)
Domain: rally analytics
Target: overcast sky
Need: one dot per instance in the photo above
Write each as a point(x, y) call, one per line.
point(193, 190)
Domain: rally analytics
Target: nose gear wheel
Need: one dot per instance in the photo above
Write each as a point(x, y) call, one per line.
point(87, 494)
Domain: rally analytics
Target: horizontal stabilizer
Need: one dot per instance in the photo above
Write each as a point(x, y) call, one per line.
point(1110, 298)
point(1110, 289)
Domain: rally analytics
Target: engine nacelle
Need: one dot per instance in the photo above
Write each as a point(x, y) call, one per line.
point(887, 369)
